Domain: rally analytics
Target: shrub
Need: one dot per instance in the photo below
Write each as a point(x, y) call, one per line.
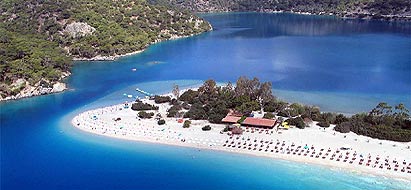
point(145, 115)
point(140, 106)
point(288, 113)
point(298, 108)
point(216, 117)
point(161, 122)
point(206, 128)
point(161, 99)
point(343, 127)
point(196, 112)
point(186, 124)
point(298, 122)
point(323, 124)
point(268, 115)
point(186, 106)
point(188, 96)
point(274, 105)
point(329, 117)
point(340, 118)
point(174, 102)
point(172, 112)
point(217, 112)
point(248, 107)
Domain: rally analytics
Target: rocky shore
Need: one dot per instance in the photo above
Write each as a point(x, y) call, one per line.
point(42, 87)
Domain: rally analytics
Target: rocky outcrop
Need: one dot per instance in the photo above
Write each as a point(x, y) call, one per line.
point(25, 89)
point(79, 29)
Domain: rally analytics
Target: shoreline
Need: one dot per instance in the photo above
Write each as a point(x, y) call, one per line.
point(150, 127)
point(344, 16)
point(291, 159)
point(38, 90)
point(115, 57)
point(96, 58)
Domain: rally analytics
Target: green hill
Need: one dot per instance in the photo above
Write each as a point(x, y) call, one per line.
point(40, 38)
point(375, 9)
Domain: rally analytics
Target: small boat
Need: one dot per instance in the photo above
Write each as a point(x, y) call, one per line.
point(129, 96)
point(134, 69)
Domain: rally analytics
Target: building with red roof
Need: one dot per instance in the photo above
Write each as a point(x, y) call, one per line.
point(259, 122)
point(230, 119)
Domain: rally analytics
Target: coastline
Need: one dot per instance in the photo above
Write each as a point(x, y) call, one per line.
point(216, 143)
point(61, 86)
point(115, 57)
point(38, 89)
point(345, 16)
point(285, 158)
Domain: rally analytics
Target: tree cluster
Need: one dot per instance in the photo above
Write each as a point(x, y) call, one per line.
point(382, 122)
point(161, 99)
point(145, 115)
point(139, 106)
point(374, 8)
point(212, 102)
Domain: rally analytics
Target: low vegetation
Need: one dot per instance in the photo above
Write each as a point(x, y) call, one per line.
point(211, 102)
point(145, 115)
point(161, 122)
point(186, 124)
point(206, 128)
point(139, 106)
point(161, 99)
point(173, 111)
point(297, 122)
point(383, 122)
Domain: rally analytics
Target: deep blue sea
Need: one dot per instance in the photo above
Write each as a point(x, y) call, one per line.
point(340, 65)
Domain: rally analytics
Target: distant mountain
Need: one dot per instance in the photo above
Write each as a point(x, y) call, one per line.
point(374, 9)
point(40, 38)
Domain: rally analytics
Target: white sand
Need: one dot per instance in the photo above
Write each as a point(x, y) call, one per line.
point(130, 127)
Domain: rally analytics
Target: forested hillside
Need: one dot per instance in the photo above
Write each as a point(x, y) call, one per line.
point(40, 38)
point(376, 9)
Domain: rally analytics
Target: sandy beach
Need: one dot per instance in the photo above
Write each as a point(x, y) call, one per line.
point(314, 145)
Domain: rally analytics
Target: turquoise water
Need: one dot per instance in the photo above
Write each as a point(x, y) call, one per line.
point(344, 66)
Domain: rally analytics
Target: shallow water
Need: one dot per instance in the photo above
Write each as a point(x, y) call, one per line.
point(344, 66)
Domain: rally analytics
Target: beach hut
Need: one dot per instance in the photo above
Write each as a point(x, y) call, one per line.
point(259, 122)
point(230, 119)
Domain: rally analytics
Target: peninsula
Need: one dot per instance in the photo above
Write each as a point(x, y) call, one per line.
point(41, 38)
point(248, 119)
